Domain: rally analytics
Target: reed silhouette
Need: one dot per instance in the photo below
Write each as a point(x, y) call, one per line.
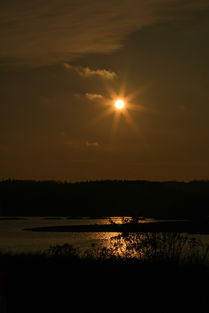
point(146, 274)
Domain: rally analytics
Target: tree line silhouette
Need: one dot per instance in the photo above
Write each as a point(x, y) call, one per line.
point(105, 198)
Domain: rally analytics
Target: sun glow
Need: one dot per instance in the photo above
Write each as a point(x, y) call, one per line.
point(119, 104)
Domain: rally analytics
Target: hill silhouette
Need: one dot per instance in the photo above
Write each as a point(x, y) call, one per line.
point(105, 198)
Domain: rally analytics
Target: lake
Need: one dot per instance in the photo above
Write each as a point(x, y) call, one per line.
point(14, 238)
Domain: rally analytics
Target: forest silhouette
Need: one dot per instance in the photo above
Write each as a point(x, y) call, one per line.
point(105, 198)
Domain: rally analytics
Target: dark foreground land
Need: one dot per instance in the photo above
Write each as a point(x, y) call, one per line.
point(137, 272)
point(105, 198)
point(57, 284)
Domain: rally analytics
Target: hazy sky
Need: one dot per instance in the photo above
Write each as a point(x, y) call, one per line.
point(61, 61)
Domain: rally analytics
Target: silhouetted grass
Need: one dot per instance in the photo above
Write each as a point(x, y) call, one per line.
point(146, 275)
point(170, 248)
point(137, 272)
point(165, 247)
point(126, 248)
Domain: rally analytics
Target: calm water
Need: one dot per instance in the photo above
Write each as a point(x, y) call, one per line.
point(14, 238)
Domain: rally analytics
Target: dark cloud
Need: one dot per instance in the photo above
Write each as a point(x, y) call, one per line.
point(35, 33)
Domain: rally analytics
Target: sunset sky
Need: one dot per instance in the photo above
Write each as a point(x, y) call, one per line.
point(64, 63)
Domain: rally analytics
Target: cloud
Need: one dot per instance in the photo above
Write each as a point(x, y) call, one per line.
point(93, 96)
point(80, 145)
point(88, 72)
point(92, 144)
point(35, 33)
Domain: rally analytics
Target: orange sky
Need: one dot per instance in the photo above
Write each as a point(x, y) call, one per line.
point(62, 65)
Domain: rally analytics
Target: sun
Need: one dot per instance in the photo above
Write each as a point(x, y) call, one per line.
point(119, 104)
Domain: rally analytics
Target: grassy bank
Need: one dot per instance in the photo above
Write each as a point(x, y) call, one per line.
point(165, 272)
point(64, 282)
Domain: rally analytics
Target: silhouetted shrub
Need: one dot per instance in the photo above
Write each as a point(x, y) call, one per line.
point(155, 247)
point(65, 250)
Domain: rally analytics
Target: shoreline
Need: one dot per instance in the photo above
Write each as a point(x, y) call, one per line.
point(180, 227)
